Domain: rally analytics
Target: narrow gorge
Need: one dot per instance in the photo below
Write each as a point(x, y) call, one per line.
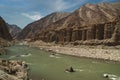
point(60, 40)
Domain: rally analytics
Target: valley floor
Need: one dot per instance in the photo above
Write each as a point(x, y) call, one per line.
point(97, 52)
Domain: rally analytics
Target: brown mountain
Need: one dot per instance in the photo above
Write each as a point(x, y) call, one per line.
point(14, 30)
point(91, 23)
point(4, 32)
point(31, 29)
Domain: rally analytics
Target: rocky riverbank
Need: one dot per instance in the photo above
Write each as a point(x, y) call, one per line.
point(2, 50)
point(97, 52)
point(5, 43)
point(13, 70)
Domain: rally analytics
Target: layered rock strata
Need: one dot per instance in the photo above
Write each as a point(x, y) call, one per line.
point(90, 24)
point(101, 33)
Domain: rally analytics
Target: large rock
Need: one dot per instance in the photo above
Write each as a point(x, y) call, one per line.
point(13, 70)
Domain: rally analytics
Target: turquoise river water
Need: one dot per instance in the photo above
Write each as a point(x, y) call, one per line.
point(44, 66)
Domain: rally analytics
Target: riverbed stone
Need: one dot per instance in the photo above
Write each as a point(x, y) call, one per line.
point(13, 70)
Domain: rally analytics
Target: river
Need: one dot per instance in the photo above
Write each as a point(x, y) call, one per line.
point(44, 66)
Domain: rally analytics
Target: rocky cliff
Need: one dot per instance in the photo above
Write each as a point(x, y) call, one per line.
point(31, 29)
point(4, 32)
point(90, 24)
point(14, 30)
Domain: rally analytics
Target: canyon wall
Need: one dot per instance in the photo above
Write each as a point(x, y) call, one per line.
point(89, 24)
point(4, 32)
point(108, 33)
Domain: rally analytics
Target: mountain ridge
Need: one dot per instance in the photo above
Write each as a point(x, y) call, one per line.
point(14, 30)
point(4, 31)
point(37, 25)
point(89, 22)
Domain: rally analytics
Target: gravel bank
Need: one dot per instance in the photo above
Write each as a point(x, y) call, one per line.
point(98, 52)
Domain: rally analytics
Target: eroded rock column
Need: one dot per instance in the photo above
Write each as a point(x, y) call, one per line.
point(74, 35)
point(84, 34)
point(79, 34)
point(62, 35)
point(68, 35)
point(89, 34)
point(100, 31)
point(109, 28)
point(116, 34)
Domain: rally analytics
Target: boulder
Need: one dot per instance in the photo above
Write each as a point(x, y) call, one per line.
point(18, 70)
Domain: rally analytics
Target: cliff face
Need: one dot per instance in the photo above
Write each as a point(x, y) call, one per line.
point(31, 29)
point(14, 30)
point(92, 23)
point(4, 32)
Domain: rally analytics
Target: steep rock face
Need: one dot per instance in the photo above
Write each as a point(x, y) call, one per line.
point(14, 30)
point(116, 33)
point(92, 22)
point(31, 29)
point(4, 32)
